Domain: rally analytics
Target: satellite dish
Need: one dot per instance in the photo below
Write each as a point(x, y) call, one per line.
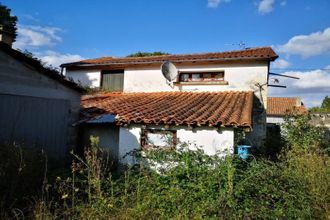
point(169, 71)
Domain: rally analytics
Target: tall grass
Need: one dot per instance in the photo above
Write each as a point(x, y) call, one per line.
point(188, 184)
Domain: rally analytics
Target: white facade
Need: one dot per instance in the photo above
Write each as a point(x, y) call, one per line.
point(211, 140)
point(245, 76)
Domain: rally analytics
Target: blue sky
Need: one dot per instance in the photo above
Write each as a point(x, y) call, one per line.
point(299, 31)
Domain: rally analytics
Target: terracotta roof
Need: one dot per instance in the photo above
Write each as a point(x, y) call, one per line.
point(36, 64)
point(214, 109)
point(253, 53)
point(281, 106)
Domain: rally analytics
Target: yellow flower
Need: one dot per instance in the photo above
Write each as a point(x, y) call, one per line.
point(65, 196)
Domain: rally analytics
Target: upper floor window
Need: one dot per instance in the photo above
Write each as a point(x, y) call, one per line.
point(201, 76)
point(112, 80)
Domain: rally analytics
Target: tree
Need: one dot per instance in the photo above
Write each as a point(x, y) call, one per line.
point(147, 54)
point(7, 20)
point(324, 108)
point(326, 103)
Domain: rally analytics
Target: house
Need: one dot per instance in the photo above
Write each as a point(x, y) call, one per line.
point(214, 96)
point(280, 107)
point(37, 105)
point(321, 119)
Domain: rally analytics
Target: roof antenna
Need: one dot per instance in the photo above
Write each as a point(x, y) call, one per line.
point(170, 72)
point(240, 44)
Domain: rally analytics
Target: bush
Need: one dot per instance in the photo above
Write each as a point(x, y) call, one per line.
point(187, 183)
point(194, 185)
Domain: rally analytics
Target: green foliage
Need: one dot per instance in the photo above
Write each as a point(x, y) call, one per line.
point(147, 54)
point(299, 133)
point(188, 184)
point(326, 103)
point(324, 108)
point(23, 178)
point(6, 19)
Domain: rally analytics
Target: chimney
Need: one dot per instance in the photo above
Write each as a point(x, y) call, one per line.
point(298, 101)
point(7, 35)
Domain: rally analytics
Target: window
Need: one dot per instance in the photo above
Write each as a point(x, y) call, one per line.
point(113, 80)
point(202, 77)
point(155, 138)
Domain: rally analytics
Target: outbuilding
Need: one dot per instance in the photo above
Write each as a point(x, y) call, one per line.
point(37, 105)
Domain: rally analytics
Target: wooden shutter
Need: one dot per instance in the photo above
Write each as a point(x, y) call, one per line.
point(113, 80)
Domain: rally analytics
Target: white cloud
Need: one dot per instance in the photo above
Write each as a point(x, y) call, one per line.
point(280, 64)
point(30, 17)
point(312, 86)
point(38, 40)
point(216, 3)
point(36, 36)
point(308, 45)
point(266, 6)
point(56, 59)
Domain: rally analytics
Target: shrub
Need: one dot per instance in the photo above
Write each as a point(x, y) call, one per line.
point(187, 183)
point(194, 185)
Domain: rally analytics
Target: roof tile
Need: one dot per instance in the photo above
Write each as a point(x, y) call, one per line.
point(252, 53)
point(214, 109)
point(281, 106)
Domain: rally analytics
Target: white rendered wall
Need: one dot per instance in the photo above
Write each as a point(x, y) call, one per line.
point(239, 77)
point(91, 78)
point(211, 140)
point(129, 139)
point(150, 79)
point(275, 120)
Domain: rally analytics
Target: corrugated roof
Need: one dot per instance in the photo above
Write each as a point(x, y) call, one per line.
point(281, 106)
point(214, 109)
point(253, 53)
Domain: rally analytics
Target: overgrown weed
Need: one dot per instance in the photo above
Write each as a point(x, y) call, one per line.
point(189, 184)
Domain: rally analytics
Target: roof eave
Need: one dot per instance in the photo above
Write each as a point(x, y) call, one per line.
point(161, 61)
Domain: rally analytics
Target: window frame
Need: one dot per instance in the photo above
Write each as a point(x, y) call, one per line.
point(117, 71)
point(201, 76)
point(144, 138)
